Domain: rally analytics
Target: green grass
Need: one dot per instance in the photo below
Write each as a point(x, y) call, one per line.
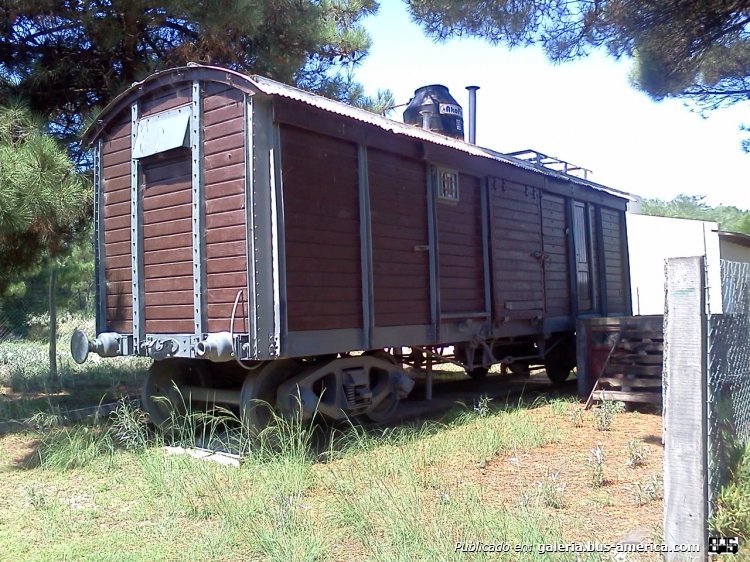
point(24, 371)
point(731, 510)
point(109, 492)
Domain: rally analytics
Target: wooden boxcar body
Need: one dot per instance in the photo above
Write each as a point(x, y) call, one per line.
point(300, 227)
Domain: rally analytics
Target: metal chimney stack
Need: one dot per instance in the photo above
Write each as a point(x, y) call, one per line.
point(472, 113)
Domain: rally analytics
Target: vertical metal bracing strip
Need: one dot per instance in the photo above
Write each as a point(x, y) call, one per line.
point(601, 260)
point(572, 259)
point(250, 228)
point(542, 263)
point(196, 159)
point(485, 203)
point(365, 241)
point(593, 262)
point(101, 288)
point(278, 241)
point(268, 242)
point(432, 234)
point(136, 238)
point(626, 264)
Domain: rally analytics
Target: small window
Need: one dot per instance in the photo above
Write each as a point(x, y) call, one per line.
point(447, 185)
point(162, 132)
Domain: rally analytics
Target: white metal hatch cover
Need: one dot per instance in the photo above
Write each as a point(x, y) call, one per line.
point(161, 132)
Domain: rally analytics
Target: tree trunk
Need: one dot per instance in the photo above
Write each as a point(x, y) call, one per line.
point(53, 325)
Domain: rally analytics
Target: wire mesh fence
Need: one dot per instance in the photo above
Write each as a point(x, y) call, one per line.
point(24, 318)
point(728, 382)
point(37, 377)
point(707, 408)
point(25, 314)
point(36, 323)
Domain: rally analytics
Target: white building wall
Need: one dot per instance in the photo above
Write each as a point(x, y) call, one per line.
point(651, 240)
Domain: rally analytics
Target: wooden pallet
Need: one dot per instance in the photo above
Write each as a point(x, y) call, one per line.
point(633, 369)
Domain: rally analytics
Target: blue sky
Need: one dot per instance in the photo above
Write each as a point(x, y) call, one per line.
point(584, 112)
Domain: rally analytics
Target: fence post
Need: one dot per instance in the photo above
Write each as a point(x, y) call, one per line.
point(53, 324)
point(684, 418)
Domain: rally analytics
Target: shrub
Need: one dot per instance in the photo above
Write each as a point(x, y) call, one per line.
point(596, 462)
point(604, 414)
point(731, 507)
point(550, 491)
point(648, 491)
point(637, 453)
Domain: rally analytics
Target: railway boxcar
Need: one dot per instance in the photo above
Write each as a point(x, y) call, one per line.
point(250, 236)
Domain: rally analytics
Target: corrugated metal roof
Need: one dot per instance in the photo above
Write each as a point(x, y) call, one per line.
point(273, 88)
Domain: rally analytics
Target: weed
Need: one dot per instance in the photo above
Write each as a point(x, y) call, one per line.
point(560, 406)
point(44, 421)
point(604, 414)
point(647, 491)
point(550, 492)
point(74, 447)
point(37, 499)
point(576, 417)
point(129, 425)
point(482, 406)
point(730, 515)
point(442, 492)
point(658, 534)
point(603, 499)
point(596, 464)
point(637, 453)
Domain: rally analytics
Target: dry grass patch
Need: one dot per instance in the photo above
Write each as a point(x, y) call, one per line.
point(407, 493)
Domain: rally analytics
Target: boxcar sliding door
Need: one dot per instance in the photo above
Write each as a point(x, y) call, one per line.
point(517, 256)
point(460, 246)
point(400, 241)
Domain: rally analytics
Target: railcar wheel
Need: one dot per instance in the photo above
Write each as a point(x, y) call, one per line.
point(561, 359)
point(558, 373)
point(388, 406)
point(384, 410)
point(161, 396)
point(478, 373)
point(520, 369)
point(258, 395)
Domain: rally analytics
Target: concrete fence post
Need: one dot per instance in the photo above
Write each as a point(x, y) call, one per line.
point(684, 417)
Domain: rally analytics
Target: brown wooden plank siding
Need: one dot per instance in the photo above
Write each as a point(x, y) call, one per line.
point(398, 207)
point(614, 267)
point(320, 182)
point(460, 254)
point(226, 234)
point(165, 98)
point(516, 233)
point(166, 181)
point(556, 270)
point(115, 216)
point(595, 266)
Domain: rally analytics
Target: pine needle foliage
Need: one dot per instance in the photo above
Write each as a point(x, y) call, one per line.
point(67, 58)
point(44, 200)
point(698, 50)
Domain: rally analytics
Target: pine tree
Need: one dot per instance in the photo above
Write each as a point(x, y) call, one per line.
point(67, 57)
point(698, 50)
point(44, 200)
